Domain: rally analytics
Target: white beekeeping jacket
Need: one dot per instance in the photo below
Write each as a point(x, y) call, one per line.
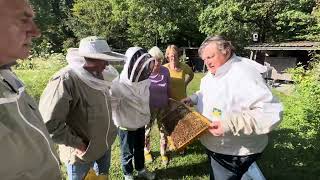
point(130, 95)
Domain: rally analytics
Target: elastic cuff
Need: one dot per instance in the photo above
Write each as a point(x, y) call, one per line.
point(122, 128)
point(225, 121)
point(194, 98)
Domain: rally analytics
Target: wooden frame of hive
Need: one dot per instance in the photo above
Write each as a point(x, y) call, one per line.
point(179, 112)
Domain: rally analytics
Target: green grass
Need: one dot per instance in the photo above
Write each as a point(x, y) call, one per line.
point(191, 166)
point(195, 83)
point(35, 73)
point(288, 155)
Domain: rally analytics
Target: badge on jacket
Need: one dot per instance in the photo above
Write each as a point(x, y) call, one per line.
point(216, 114)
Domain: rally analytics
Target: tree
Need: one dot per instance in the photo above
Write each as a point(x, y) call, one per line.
point(222, 17)
point(314, 34)
point(274, 20)
point(51, 17)
point(138, 22)
point(103, 18)
point(164, 21)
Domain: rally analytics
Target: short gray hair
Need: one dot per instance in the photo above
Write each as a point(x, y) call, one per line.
point(156, 53)
point(221, 42)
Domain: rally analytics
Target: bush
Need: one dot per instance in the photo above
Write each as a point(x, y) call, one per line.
point(293, 149)
point(35, 72)
point(302, 109)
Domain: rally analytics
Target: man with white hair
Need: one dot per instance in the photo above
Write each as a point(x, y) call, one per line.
point(242, 110)
point(76, 108)
point(27, 151)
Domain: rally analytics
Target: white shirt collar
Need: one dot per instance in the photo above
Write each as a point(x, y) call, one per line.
point(222, 70)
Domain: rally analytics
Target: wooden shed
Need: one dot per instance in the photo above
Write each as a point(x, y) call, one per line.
point(281, 56)
point(192, 58)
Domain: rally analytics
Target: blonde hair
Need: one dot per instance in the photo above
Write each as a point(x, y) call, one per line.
point(172, 48)
point(156, 53)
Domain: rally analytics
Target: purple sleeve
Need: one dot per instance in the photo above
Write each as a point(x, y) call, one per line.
point(167, 74)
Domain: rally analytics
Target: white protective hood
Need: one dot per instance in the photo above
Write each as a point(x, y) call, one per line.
point(76, 62)
point(130, 98)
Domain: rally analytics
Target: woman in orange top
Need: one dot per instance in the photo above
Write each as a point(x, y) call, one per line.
point(180, 73)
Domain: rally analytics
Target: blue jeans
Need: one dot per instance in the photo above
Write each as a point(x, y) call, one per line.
point(132, 147)
point(228, 167)
point(78, 171)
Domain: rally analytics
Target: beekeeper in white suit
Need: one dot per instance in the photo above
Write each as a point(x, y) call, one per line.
point(131, 110)
point(76, 108)
point(234, 96)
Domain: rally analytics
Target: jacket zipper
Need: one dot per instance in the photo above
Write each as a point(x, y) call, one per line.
point(39, 131)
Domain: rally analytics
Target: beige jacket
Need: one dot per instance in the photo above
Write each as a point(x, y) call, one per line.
point(75, 113)
point(26, 150)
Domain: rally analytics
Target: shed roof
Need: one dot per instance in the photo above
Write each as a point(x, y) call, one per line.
point(289, 46)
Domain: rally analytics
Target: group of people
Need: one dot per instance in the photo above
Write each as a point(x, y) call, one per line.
point(87, 103)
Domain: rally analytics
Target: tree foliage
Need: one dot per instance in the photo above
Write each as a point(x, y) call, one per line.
point(314, 33)
point(98, 17)
point(164, 21)
point(51, 17)
point(183, 22)
point(138, 22)
point(274, 20)
point(302, 108)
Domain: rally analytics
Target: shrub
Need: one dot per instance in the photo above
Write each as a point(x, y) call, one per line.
point(302, 109)
point(35, 72)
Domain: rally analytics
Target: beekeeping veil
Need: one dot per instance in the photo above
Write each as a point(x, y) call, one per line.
point(131, 91)
point(76, 62)
point(138, 66)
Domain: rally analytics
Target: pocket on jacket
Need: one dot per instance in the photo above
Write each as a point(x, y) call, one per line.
point(97, 129)
point(93, 152)
point(89, 152)
point(30, 101)
point(4, 131)
point(115, 102)
point(33, 106)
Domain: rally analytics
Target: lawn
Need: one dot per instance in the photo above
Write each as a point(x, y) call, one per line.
point(192, 165)
point(288, 155)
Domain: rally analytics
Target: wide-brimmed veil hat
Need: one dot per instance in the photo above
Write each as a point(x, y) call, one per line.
point(97, 48)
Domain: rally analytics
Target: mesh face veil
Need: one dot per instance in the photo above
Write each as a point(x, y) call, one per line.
point(141, 65)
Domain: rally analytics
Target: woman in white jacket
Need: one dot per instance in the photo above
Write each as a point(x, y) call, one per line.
point(234, 96)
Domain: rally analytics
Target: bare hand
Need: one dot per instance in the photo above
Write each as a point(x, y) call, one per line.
point(81, 150)
point(187, 101)
point(216, 128)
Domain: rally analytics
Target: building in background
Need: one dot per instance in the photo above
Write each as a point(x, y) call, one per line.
point(281, 56)
point(192, 58)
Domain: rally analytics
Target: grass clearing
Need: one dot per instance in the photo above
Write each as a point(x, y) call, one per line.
point(288, 155)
